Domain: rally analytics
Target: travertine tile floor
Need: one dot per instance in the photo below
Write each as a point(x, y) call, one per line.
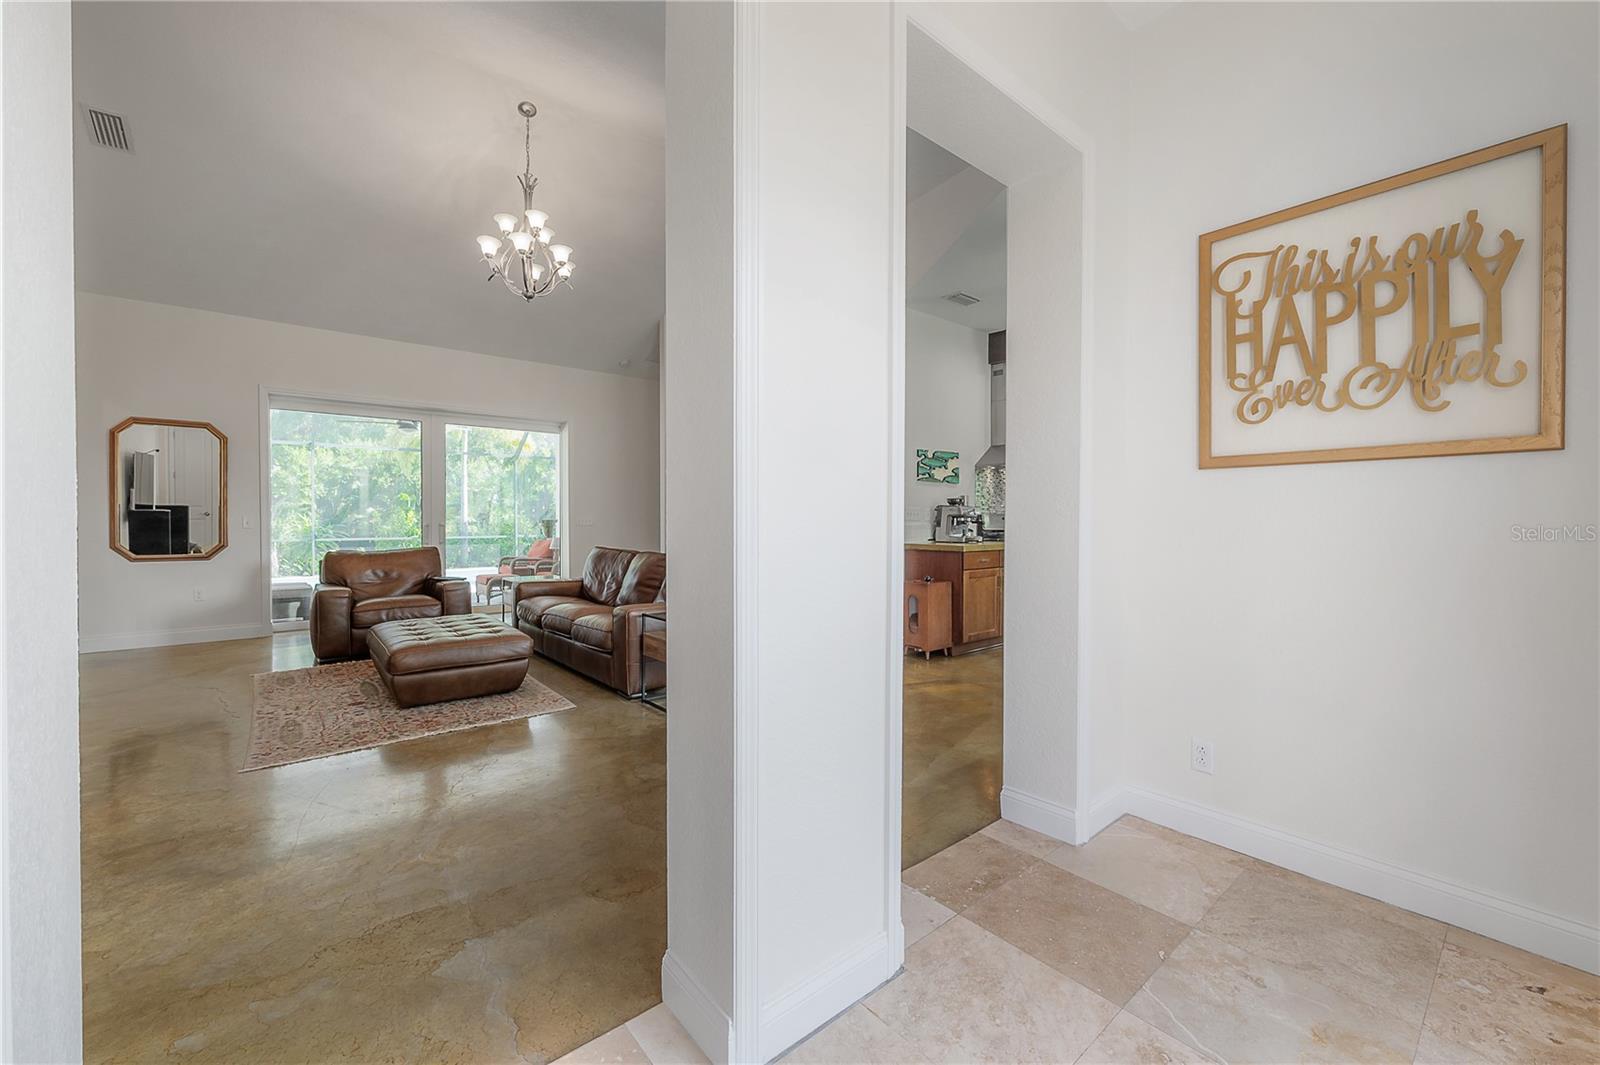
point(1149, 946)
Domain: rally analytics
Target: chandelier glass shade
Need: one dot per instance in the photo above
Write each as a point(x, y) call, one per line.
point(524, 255)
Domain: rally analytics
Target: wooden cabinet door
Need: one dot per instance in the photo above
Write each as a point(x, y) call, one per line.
point(982, 609)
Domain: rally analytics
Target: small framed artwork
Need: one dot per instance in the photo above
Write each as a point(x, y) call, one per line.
point(938, 467)
point(1423, 314)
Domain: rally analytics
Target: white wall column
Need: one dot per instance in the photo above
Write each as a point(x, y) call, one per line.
point(41, 988)
point(1044, 778)
point(782, 858)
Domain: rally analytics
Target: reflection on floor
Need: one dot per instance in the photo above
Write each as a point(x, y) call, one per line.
point(950, 785)
point(1149, 946)
point(492, 895)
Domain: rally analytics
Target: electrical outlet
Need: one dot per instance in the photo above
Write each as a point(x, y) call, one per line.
point(199, 595)
point(1202, 755)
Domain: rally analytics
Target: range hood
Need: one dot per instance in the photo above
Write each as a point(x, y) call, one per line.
point(996, 455)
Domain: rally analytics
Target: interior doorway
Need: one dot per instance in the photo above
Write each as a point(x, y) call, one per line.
point(996, 192)
point(955, 505)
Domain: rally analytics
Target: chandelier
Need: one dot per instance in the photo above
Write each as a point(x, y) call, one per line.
point(523, 255)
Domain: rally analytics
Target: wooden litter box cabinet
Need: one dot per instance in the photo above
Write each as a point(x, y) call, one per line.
point(977, 577)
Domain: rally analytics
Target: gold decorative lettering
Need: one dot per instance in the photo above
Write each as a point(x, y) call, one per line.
point(1366, 284)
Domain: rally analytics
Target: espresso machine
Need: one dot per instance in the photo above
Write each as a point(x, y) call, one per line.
point(954, 522)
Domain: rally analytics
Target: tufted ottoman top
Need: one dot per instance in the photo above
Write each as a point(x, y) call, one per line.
point(421, 645)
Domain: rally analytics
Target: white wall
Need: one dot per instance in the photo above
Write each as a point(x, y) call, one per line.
point(155, 360)
point(41, 1007)
point(1044, 360)
point(698, 429)
point(782, 905)
point(1381, 668)
point(947, 407)
point(1453, 769)
point(822, 774)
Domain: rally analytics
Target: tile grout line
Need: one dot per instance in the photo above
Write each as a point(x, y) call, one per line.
point(1427, 1005)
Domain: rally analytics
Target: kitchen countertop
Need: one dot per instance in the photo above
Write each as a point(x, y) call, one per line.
point(976, 545)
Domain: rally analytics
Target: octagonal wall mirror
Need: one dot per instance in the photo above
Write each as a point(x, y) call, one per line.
point(169, 490)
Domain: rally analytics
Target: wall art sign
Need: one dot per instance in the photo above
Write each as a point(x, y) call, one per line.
point(938, 467)
point(1423, 314)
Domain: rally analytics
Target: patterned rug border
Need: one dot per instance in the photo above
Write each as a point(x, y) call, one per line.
point(530, 687)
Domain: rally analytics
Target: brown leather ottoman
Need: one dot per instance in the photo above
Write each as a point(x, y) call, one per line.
point(434, 660)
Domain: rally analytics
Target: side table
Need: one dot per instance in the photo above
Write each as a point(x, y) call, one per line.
point(652, 648)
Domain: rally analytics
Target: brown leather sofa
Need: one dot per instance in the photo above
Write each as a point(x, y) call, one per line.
point(592, 624)
point(361, 589)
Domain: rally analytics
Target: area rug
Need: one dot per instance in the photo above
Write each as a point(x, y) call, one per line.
point(301, 714)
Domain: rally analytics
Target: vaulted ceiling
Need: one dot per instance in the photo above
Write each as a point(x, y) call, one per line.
point(955, 237)
point(329, 165)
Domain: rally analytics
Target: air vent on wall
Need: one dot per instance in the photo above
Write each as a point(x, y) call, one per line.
point(108, 130)
point(961, 299)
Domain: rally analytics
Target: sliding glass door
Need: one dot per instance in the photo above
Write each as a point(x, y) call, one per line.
point(502, 492)
point(368, 478)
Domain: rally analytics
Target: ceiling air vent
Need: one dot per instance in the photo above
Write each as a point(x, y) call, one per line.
point(108, 130)
point(961, 299)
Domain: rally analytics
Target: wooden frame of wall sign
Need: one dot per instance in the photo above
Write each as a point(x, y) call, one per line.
point(1424, 314)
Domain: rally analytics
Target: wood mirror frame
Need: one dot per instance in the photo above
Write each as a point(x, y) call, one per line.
point(222, 490)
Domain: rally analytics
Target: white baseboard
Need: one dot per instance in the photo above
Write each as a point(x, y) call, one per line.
point(1510, 922)
point(1104, 810)
point(789, 1018)
point(128, 641)
point(696, 1010)
point(814, 1002)
point(1040, 814)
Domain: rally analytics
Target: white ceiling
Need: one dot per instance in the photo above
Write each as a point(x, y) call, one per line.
point(975, 262)
point(1137, 14)
point(329, 165)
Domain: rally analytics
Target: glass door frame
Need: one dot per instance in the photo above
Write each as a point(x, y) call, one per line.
point(432, 421)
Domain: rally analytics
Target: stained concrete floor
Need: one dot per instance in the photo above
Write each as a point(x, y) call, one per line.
point(497, 894)
point(492, 895)
point(950, 782)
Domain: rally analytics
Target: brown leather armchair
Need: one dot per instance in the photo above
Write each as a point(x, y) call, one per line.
point(361, 589)
point(592, 624)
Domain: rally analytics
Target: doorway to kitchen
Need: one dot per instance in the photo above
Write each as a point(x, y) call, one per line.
point(488, 492)
point(955, 506)
point(997, 186)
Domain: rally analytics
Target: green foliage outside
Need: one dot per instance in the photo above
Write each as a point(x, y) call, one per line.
point(341, 481)
point(499, 485)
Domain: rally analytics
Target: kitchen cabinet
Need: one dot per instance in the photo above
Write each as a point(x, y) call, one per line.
point(976, 573)
point(982, 612)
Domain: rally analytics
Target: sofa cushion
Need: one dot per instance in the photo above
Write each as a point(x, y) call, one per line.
point(370, 612)
point(380, 574)
point(603, 572)
point(560, 618)
point(593, 630)
point(533, 607)
point(646, 575)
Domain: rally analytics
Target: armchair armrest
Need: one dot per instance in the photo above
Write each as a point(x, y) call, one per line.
point(453, 593)
point(330, 621)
